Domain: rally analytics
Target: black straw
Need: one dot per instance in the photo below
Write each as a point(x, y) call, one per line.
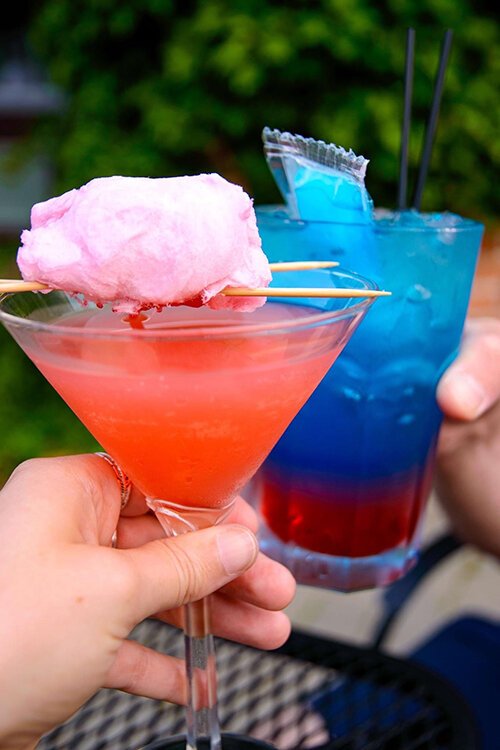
point(405, 133)
point(432, 121)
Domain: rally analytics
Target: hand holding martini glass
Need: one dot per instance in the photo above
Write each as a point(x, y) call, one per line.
point(188, 400)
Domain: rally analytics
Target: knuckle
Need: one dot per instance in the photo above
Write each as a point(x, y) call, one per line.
point(187, 574)
point(56, 469)
point(30, 466)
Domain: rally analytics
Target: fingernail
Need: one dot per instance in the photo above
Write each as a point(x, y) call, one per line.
point(468, 394)
point(237, 548)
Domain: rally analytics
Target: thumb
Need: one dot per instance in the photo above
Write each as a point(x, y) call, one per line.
point(170, 572)
point(471, 385)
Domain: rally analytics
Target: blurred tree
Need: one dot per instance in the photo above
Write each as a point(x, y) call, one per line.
point(34, 419)
point(162, 87)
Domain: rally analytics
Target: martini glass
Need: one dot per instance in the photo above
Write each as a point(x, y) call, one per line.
point(189, 404)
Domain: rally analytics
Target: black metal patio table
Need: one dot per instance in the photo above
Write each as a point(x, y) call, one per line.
point(312, 693)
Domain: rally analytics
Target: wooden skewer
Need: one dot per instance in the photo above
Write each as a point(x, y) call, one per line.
point(301, 292)
point(18, 285)
point(302, 265)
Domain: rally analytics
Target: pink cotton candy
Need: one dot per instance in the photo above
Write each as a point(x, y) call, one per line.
point(140, 242)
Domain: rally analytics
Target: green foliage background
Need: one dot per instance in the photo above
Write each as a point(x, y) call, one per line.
point(34, 420)
point(164, 87)
point(160, 87)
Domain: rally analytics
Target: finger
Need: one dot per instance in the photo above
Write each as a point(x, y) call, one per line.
point(241, 622)
point(266, 584)
point(137, 531)
point(171, 572)
point(71, 497)
point(141, 671)
point(136, 505)
point(243, 514)
point(471, 385)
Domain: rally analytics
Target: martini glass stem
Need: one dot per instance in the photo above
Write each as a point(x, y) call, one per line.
point(201, 711)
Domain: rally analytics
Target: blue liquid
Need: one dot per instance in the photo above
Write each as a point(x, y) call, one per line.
point(370, 429)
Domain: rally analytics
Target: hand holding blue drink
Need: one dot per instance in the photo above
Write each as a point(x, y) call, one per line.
point(342, 494)
point(467, 475)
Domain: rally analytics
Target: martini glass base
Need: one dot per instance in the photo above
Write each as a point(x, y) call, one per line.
point(339, 573)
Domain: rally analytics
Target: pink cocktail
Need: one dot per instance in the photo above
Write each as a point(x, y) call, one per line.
point(190, 413)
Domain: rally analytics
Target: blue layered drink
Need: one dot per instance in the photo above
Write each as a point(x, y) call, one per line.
point(341, 495)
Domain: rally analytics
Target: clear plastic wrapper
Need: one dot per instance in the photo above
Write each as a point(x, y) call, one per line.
point(319, 181)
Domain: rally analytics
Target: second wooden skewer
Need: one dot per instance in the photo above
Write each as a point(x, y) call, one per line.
point(302, 265)
point(302, 292)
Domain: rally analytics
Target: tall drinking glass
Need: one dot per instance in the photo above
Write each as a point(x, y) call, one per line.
point(341, 496)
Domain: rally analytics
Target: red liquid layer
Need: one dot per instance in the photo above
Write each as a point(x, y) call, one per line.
point(359, 521)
